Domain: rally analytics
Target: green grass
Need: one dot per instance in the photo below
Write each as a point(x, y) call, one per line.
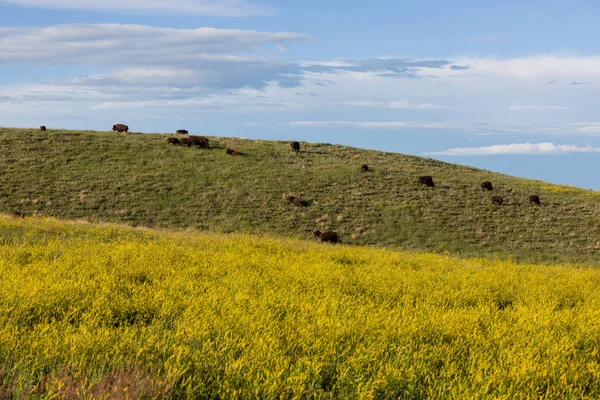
point(142, 181)
point(110, 312)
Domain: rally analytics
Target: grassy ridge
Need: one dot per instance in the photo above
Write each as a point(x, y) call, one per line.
point(142, 181)
point(95, 311)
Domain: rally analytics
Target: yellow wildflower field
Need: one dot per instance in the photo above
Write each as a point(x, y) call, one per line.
point(101, 311)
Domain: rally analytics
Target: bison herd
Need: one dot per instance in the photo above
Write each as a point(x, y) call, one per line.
point(330, 237)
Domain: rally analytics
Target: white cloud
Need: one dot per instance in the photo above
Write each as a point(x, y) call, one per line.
point(518, 148)
point(537, 108)
point(400, 104)
point(116, 44)
point(220, 8)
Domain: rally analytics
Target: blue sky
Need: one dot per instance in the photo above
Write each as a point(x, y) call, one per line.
point(512, 87)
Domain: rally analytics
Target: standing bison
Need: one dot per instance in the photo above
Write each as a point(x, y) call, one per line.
point(295, 146)
point(199, 141)
point(43, 128)
point(487, 186)
point(120, 128)
point(427, 181)
point(185, 142)
point(182, 132)
point(534, 198)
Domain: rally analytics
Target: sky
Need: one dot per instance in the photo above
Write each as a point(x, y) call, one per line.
point(512, 87)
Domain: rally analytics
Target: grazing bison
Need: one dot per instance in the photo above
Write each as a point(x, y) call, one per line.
point(173, 140)
point(487, 186)
point(534, 198)
point(427, 181)
point(295, 201)
point(233, 152)
point(43, 128)
point(120, 128)
point(295, 146)
point(498, 200)
point(185, 142)
point(18, 214)
point(182, 132)
point(199, 141)
point(330, 237)
point(364, 168)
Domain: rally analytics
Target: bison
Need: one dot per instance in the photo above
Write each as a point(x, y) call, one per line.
point(199, 141)
point(18, 214)
point(295, 201)
point(487, 186)
point(173, 140)
point(330, 237)
point(232, 152)
point(317, 234)
point(43, 128)
point(181, 132)
point(364, 168)
point(534, 198)
point(498, 200)
point(295, 146)
point(185, 142)
point(427, 181)
point(120, 128)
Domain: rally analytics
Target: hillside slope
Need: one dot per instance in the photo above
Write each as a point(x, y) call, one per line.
point(104, 311)
point(141, 180)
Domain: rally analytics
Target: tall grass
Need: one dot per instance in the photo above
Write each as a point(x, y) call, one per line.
point(110, 312)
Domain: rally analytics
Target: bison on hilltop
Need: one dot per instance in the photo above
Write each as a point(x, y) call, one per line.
point(487, 186)
point(329, 237)
point(534, 198)
point(120, 128)
point(364, 168)
point(427, 181)
point(173, 140)
point(498, 200)
point(199, 141)
point(185, 142)
point(232, 152)
point(181, 132)
point(295, 201)
point(295, 146)
point(43, 128)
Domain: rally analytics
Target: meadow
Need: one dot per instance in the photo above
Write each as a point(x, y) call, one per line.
point(140, 180)
point(107, 311)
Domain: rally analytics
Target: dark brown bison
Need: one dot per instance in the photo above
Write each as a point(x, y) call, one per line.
point(487, 186)
point(185, 142)
point(330, 237)
point(120, 128)
point(199, 141)
point(364, 168)
point(498, 200)
point(173, 140)
point(43, 128)
point(232, 152)
point(182, 132)
point(18, 214)
point(295, 201)
point(534, 198)
point(295, 146)
point(427, 181)
point(317, 234)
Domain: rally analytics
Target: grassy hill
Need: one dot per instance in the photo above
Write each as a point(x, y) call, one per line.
point(143, 181)
point(110, 312)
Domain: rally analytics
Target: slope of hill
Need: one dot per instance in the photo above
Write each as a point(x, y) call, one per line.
point(143, 181)
point(100, 311)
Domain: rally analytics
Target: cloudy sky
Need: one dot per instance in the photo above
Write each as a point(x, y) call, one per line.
point(512, 87)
